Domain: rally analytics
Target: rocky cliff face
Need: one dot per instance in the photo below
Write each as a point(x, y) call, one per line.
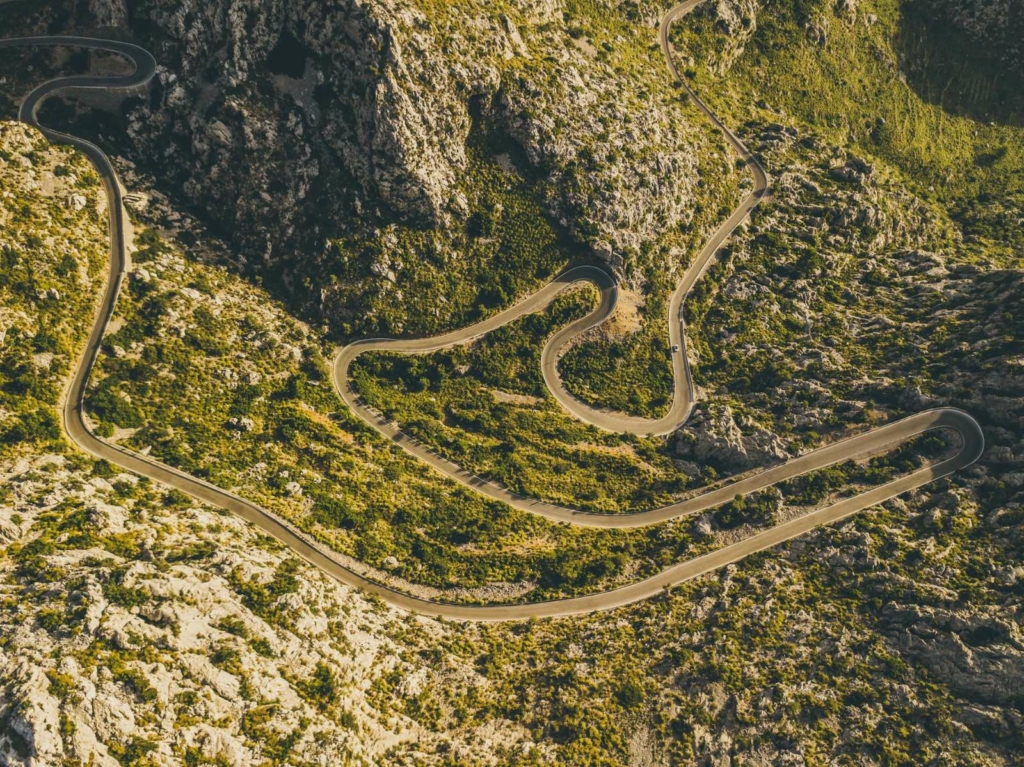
point(996, 25)
point(348, 115)
point(737, 21)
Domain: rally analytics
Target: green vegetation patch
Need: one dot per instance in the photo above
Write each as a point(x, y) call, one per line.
point(508, 246)
point(485, 407)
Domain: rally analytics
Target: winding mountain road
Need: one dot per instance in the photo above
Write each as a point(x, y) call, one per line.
point(872, 442)
point(683, 390)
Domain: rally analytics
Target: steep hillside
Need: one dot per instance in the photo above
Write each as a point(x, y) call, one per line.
point(404, 147)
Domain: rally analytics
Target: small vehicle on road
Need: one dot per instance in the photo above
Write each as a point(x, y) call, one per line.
point(675, 348)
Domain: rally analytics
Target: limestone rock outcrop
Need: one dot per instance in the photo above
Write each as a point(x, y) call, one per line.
point(996, 25)
point(352, 116)
point(713, 436)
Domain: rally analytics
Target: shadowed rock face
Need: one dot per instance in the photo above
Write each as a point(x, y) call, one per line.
point(997, 25)
point(331, 101)
point(353, 114)
point(967, 56)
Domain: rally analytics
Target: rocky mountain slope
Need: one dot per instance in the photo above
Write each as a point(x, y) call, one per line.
point(138, 630)
point(350, 117)
point(120, 639)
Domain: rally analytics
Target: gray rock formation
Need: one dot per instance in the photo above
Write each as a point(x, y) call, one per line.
point(307, 97)
point(737, 19)
point(109, 13)
point(713, 436)
point(976, 651)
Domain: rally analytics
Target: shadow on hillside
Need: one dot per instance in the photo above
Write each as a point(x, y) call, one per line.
point(947, 68)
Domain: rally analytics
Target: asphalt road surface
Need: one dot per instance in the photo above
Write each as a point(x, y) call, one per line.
point(970, 435)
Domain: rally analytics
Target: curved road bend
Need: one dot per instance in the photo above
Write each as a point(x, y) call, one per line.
point(78, 430)
point(683, 391)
